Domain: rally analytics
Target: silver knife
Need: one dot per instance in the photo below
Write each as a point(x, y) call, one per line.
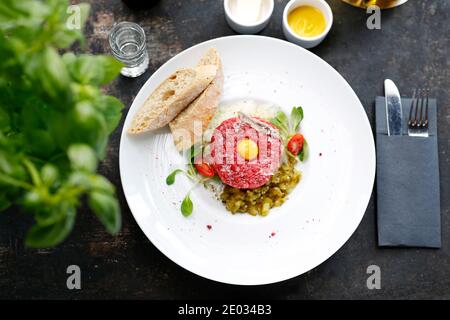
point(394, 113)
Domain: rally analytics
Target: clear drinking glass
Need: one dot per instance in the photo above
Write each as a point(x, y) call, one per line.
point(127, 42)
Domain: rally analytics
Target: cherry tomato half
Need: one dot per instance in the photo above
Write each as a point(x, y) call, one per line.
point(295, 144)
point(205, 169)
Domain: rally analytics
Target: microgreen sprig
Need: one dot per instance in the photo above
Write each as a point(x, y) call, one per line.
point(191, 172)
point(289, 127)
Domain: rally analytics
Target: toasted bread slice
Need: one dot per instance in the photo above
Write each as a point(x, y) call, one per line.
point(188, 126)
point(171, 97)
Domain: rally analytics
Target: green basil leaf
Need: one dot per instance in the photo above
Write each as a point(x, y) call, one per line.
point(80, 180)
point(4, 119)
point(90, 182)
point(6, 163)
point(91, 127)
point(107, 210)
point(61, 127)
point(84, 69)
point(49, 174)
point(46, 214)
point(82, 157)
point(95, 70)
point(32, 199)
point(171, 177)
point(86, 115)
point(303, 155)
point(65, 37)
point(111, 68)
point(15, 13)
point(10, 165)
point(52, 75)
point(187, 206)
point(100, 183)
point(69, 58)
point(41, 143)
point(111, 108)
point(43, 236)
point(296, 117)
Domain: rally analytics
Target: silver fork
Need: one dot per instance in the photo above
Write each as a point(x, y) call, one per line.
point(418, 114)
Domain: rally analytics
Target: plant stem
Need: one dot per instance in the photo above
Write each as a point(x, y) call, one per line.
point(17, 183)
point(197, 182)
point(34, 174)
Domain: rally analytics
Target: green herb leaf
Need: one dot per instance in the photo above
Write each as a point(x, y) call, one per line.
point(296, 118)
point(52, 75)
point(69, 58)
point(94, 70)
point(32, 199)
point(111, 108)
point(80, 180)
point(107, 210)
point(43, 236)
point(21, 13)
point(43, 145)
point(187, 206)
point(91, 127)
point(82, 157)
point(171, 177)
point(49, 215)
point(90, 182)
point(100, 183)
point(65, 37)
point(303, 155)
point(281, 122)
point(111, 68)
point(4, 118)
point(49, 174)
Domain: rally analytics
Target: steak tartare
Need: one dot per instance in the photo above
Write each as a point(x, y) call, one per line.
point(245, 155)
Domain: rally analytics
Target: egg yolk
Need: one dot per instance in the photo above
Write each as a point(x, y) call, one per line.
point(247, 149)
point(307, 21)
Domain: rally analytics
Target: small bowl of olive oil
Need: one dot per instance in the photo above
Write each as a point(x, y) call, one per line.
point(307, 22)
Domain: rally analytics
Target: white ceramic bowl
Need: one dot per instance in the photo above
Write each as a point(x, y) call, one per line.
point(246, 28)
point(307, 42)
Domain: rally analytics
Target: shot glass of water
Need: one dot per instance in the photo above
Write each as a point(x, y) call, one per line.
point(127, 42)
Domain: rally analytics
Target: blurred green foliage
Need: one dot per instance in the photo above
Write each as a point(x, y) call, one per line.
point(54, 119)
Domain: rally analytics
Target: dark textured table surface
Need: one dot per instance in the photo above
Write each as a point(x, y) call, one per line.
point(412, 48)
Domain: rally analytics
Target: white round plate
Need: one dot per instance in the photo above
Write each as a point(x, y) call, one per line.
point(321, 213)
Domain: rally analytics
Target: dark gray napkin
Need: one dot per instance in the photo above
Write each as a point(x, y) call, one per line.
point(408, 196)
